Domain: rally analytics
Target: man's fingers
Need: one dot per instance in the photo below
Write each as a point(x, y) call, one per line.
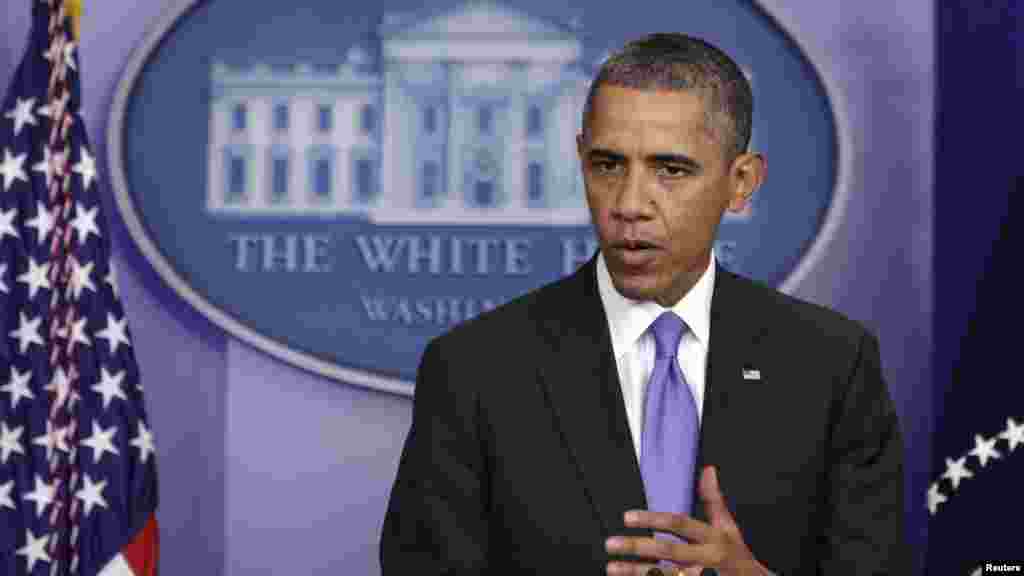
point(658, 549)
point(629, 569)
point(714, 502)
point(649, 548)
point(679, 524)
point(639, 569)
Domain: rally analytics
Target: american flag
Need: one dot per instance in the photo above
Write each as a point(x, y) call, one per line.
point(77, 469)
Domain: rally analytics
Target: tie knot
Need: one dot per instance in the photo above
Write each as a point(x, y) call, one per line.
point(668, 331)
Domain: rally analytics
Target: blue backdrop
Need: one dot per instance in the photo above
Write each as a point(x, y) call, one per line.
point(266, 468)
point(979, 179)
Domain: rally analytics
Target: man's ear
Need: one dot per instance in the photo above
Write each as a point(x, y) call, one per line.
point(580, 145)
point(746, 174)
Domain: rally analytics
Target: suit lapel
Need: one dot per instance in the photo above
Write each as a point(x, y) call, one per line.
point(582, 385)
point(734, 334)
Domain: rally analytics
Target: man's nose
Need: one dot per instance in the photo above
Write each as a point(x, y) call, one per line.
point(633, 200)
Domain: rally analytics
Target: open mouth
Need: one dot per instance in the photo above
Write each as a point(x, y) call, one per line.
point(636, 245)
point(636, 253)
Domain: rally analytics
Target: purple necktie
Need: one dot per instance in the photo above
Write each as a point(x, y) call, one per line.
point(668, 447)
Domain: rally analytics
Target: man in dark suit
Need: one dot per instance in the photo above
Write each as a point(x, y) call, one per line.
point(742, 430)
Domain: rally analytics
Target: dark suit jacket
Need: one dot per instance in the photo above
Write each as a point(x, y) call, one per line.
point(519, 457)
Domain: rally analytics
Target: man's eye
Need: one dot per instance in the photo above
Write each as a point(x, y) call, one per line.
point(605, 166)
point(673, 171)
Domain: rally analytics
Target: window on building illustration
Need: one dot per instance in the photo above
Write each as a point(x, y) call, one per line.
point(325, 118)
point(431, 177)
point(280, 117)
point(485, 119)
point(364, 179)
point(483, 191)
point(322, 178)
point(368, 119)
point(279, 179)
point(534, 121)
point(238, 117)
point(429, 120)
point(535, 181)
point(236, 178)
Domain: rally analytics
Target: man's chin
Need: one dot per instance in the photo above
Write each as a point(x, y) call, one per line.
point(634, 287)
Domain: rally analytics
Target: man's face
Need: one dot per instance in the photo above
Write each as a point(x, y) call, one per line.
point(657, 184)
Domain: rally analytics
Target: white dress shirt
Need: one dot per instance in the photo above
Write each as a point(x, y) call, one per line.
point(633, 345)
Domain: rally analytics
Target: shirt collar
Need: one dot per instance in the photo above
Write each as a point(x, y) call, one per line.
point(629, 319)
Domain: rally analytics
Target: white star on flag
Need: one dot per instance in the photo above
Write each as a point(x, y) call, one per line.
point(101, 441)
point(12, 168)
point(17, 387)
point(46, 165)
point(956, 471)
point(115, 333)
point(22, 114)
point(85, 222)
point(27, 332)
point(91, 494)
point(86, 167)
point(80, 277)
point(42, 223)
point(53, 438)
point(34, 550)
point(1014, 434)
point(10, 442)
point(7, 227)
point(984, 450)
point(144, 442)
point(935, 498)
point(3, 284)
point(5, 495)
point(110, 387)
point(37, 277)
point(42, 495)
point(111, 278)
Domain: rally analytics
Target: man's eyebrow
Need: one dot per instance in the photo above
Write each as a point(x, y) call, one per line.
point(609, 154)
point(666, 158)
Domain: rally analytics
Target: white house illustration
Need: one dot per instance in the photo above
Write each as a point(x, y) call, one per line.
point(296, 141)
point(471, 120)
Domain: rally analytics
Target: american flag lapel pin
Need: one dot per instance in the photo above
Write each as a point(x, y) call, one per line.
point(751, 374)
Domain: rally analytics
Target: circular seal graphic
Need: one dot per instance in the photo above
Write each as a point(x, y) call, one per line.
point(335, 185)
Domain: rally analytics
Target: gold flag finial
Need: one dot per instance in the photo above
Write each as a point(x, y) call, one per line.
point(75, 11)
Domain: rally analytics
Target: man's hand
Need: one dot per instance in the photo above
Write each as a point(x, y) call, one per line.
point(718, 545)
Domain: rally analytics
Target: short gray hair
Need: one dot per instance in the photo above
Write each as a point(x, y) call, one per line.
point(672, 61)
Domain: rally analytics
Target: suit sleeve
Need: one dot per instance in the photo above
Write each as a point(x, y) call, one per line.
point(436, 520)
point(865, 530)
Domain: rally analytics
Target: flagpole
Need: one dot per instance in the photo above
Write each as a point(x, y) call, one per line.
point(75, 8)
